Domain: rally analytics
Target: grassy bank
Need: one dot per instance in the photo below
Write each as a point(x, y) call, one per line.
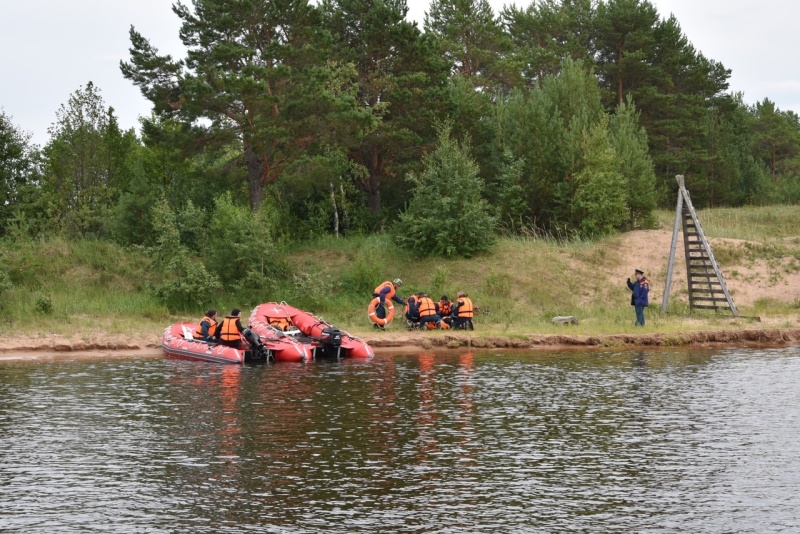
point(66, 287)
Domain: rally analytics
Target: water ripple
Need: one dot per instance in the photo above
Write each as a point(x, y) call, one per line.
point(520, 442)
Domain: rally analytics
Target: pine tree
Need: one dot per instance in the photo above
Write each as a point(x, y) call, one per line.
point(447, 215)
point(398, 79)
point(254, 78)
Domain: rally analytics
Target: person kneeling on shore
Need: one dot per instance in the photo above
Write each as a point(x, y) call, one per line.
point(230, 330)
point(445, 309)
point(463, 311)
point(427, 311)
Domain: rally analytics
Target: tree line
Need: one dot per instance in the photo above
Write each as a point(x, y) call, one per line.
point(294, 120)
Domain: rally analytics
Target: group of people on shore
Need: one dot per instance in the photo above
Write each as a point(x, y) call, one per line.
point(421, 311)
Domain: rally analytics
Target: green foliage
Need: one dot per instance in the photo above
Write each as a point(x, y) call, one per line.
point(508, 192)
point(44, 304)
point(440, 279)
point(313, 290)
point(472, 41)
point(240, 242)
point(131, 218)
point(600, 198)
point(447, 215)
point(255, 78)
point(629, 141)
point(185, 282)
point(579, 169)
point(86, 164)
point(399, 81)
point(370, 260)
point(18, 169)
point(498, 285)
point(5, 285)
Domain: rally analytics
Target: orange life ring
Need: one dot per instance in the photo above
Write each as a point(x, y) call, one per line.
point(374, 303)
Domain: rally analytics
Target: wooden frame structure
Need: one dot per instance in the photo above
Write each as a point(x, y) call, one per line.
point(707, 289)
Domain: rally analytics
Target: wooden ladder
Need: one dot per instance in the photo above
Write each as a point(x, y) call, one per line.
point(707, 289)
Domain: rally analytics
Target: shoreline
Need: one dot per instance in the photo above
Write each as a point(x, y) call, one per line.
point(56, 345)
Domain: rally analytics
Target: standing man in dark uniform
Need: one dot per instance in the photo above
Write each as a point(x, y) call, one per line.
point(639, 290)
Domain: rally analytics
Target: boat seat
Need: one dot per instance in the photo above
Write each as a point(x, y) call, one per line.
point(187, 333)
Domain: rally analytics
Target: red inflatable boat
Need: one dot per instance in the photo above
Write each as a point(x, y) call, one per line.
point(321, 338)
point(179, 342)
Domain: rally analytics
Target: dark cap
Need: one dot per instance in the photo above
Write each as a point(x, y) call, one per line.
point(638, 271)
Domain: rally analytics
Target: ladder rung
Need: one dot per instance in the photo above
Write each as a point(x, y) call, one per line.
point(706, 290)
point(701, 275)
point(710, 299)
point(701, 306)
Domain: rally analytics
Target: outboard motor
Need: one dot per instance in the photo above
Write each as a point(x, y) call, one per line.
point(259, 352)
point(331, 341)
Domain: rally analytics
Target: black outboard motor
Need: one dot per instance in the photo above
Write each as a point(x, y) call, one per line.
point(331, 341)
point(259, 352)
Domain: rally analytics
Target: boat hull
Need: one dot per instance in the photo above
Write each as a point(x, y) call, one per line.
point(178, 343)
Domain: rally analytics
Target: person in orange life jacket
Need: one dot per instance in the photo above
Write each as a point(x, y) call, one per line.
point(463, 311)
point(445, 308)
point(412, 311)
point(230, 329)
point(387, 290)
point(208, 326)
point(639, 291)
point(427, 311)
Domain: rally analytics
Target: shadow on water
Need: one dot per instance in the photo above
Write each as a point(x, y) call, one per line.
point(453, 441)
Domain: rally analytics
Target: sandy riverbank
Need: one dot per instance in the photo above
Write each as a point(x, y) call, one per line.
point(150, 345)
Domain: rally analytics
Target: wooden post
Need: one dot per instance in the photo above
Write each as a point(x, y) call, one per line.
point(673, 248)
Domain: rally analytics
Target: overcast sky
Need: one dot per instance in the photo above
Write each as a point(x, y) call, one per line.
point(49, 48)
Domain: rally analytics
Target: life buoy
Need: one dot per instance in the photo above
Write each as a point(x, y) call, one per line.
point(374, 303)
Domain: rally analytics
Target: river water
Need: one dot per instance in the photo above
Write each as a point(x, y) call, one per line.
point(679, 440)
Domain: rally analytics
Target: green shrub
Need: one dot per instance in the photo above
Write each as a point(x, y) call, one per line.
point(44, 304)
point(447, 215)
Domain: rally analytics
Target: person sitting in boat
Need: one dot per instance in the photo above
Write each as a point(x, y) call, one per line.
point(463, 311)
point(387, 290)
point(230, 329)
point(427, 311)
point(445, 308)
point(208, 326)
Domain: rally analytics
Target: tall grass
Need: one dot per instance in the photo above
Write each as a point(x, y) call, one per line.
point(761, 223)
point(63, 286)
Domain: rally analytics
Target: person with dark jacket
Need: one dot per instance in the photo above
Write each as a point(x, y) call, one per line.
point(463, 311)
point(230, 329)
point(427, 311)
point(387, 290)
point(208, 326)
point(639, 295)
point(445, 309)
point(412, 311)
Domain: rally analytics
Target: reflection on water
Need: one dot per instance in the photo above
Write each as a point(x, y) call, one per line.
point(515, 442)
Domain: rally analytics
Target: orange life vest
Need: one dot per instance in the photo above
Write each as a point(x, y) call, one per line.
point(281, 323)
point(445, 308)
point(464, 308)
point(228, 330)
point(388, 284)
point(426, 307)
point(212, 327)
